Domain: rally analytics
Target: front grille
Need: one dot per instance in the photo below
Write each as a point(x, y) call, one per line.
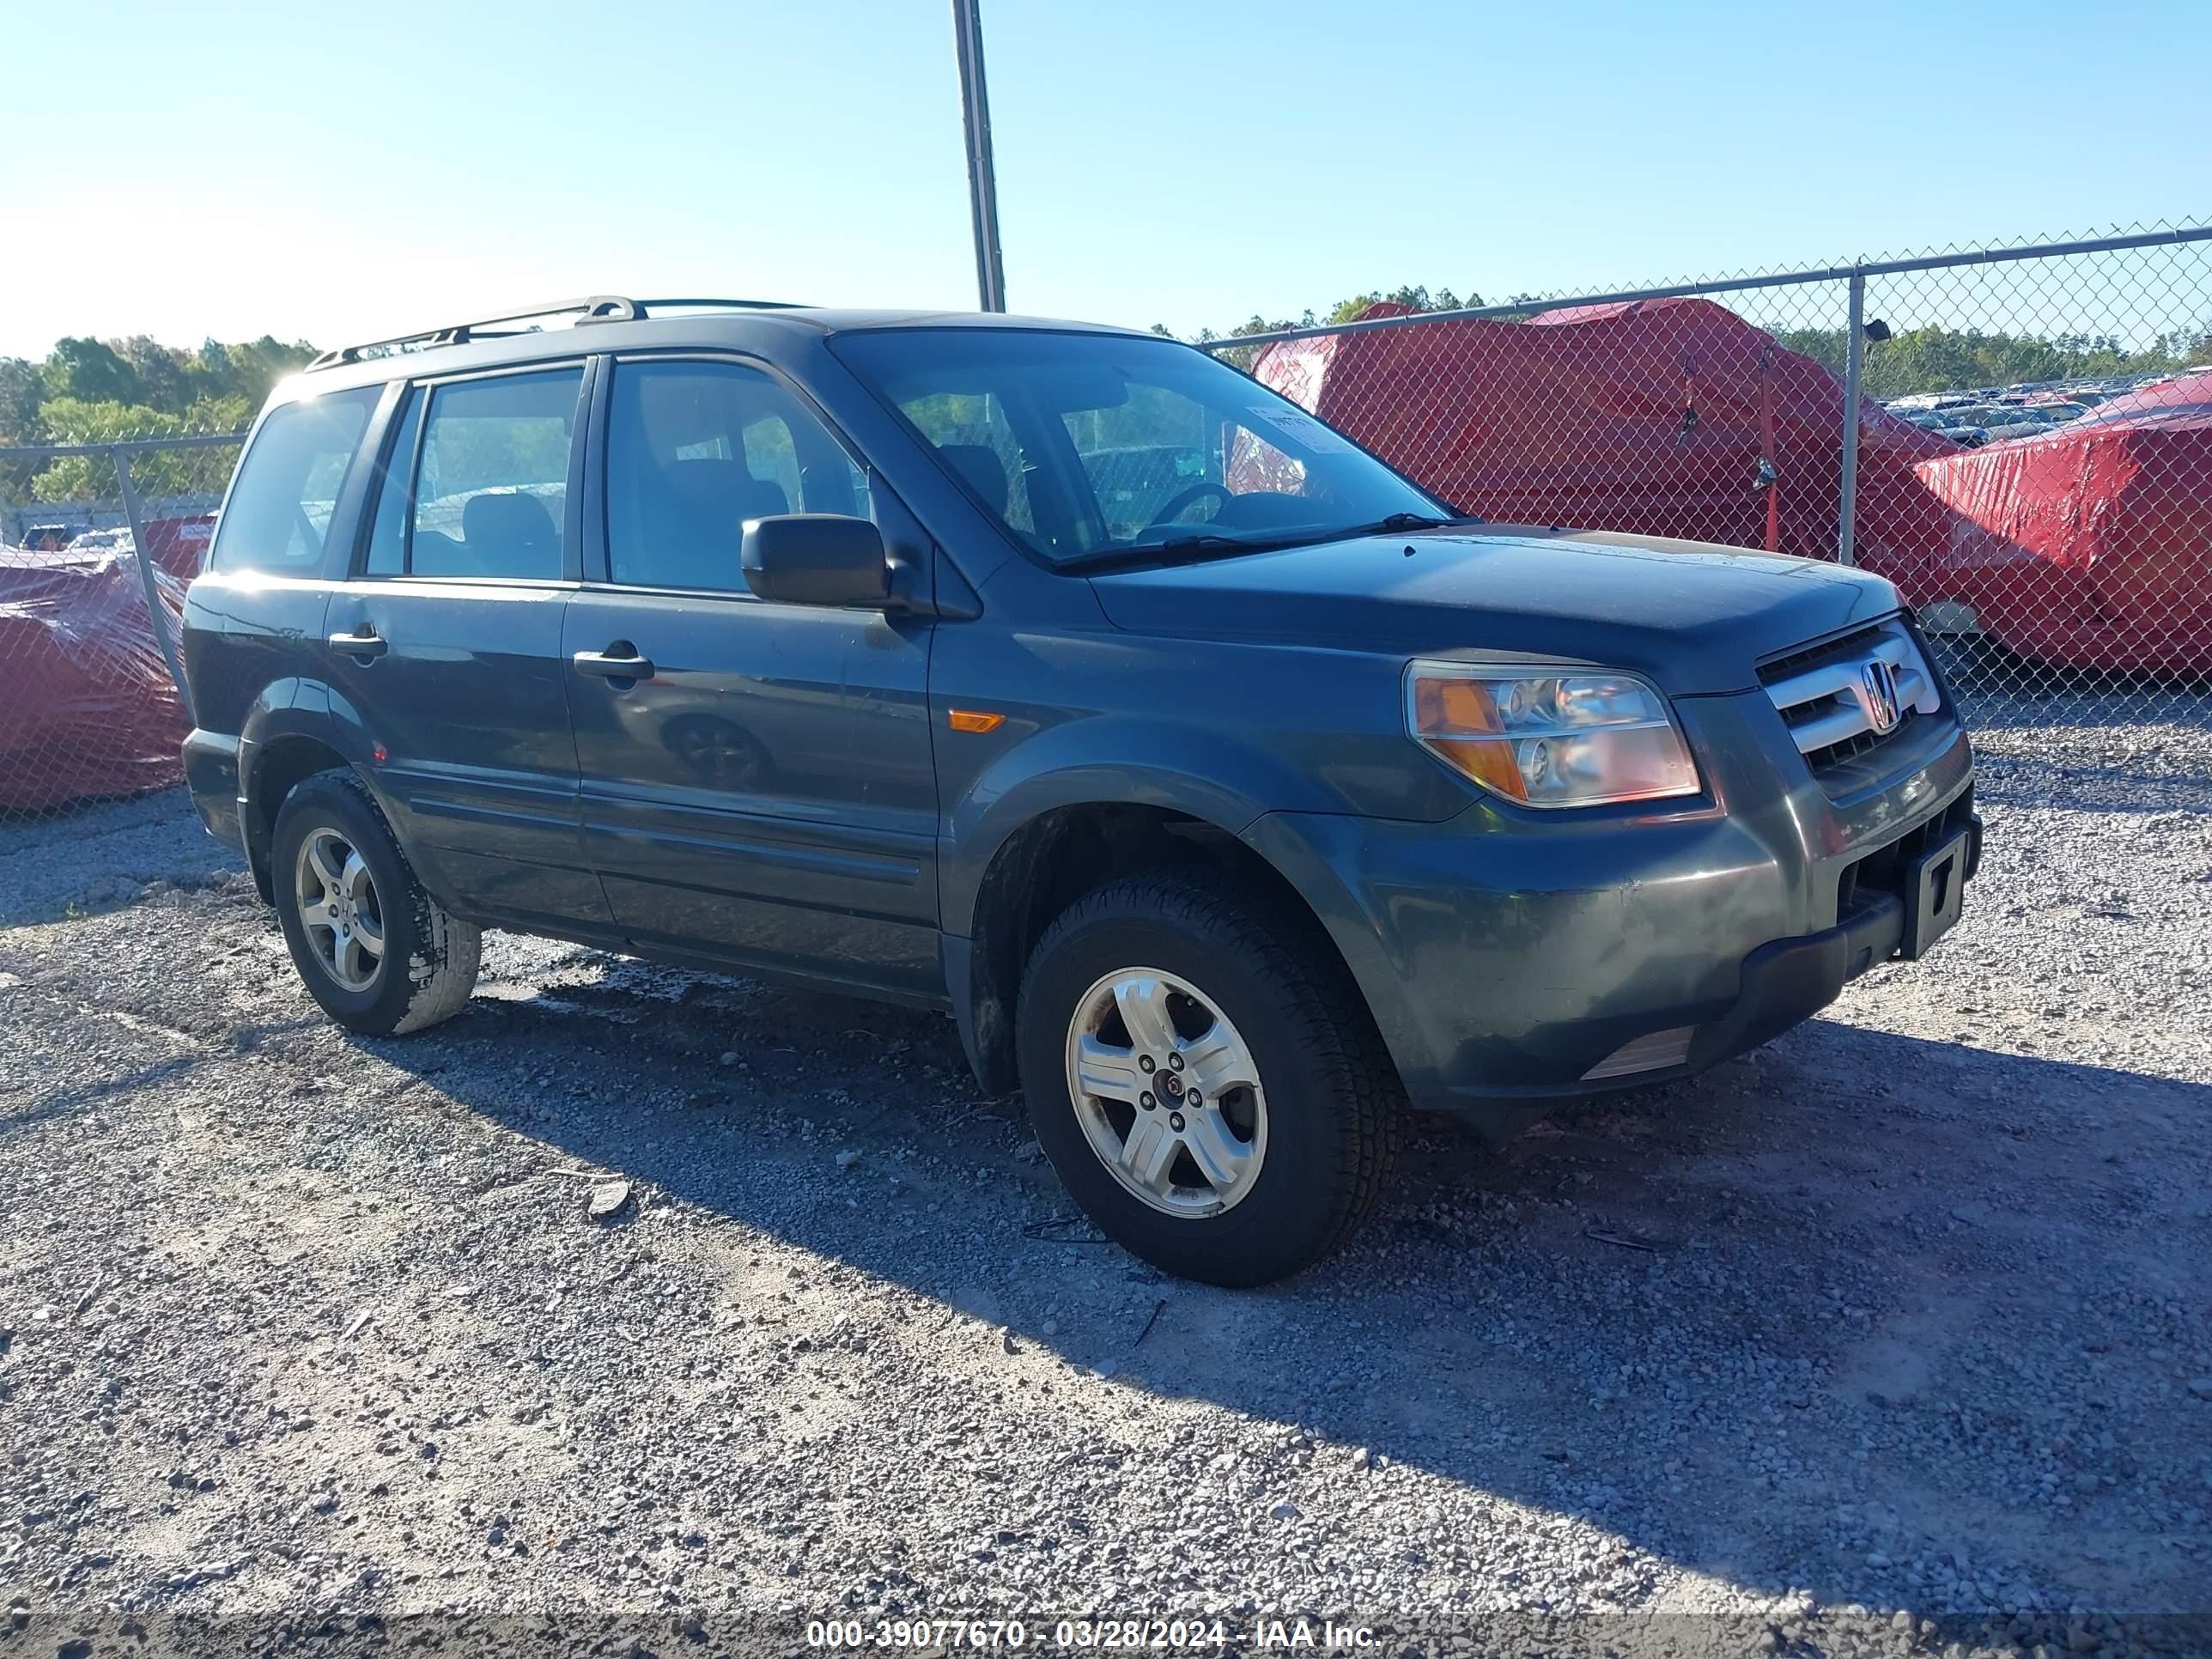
point(1848, 646)
point(1829, 694)
point(1865, 743)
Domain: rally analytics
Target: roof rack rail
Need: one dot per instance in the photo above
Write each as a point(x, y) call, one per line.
point(592, 309)
point(644, 306)
point(609, 307)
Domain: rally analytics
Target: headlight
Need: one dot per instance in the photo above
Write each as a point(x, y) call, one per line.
point(1549, 738)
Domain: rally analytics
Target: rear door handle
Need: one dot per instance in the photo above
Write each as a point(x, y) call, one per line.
point(365, 646)
point(607, 665)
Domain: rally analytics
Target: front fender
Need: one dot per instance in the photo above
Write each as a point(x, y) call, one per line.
point(1139, 760)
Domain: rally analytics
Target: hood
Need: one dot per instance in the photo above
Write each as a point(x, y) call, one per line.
point(1691, 617)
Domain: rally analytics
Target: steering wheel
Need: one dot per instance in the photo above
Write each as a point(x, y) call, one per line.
point(1203, 487)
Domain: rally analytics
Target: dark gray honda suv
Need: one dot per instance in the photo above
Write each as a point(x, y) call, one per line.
point(1229, 791)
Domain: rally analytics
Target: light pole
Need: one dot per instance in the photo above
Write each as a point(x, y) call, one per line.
point(982, 186)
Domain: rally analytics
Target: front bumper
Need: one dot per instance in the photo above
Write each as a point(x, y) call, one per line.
point(1510, 961)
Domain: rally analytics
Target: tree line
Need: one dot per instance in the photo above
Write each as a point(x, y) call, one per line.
point(88, 391)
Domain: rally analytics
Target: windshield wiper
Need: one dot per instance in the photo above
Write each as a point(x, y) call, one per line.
point(1400, 523)
point(1187, 549)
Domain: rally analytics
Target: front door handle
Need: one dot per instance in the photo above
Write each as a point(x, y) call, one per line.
point(367, 646)
point(619, 661)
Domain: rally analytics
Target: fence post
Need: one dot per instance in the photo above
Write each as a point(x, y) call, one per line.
point(1854, 363)
point(157, 613)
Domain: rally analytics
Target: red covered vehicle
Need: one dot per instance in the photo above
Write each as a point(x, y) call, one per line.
point(1670, 418)
point(88, 710)
point(2090, 547)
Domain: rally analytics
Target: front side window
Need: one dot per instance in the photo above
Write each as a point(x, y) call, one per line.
point(490, 491)
point(1084, 445)
point(278, 517)
point(694, 449)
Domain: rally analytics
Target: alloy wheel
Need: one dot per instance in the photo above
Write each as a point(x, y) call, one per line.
point(1167, 1092)
point(336, 901)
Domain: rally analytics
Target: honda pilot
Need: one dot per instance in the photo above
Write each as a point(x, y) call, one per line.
point(1230, 792)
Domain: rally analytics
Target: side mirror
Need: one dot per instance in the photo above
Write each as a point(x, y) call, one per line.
point(816, 558)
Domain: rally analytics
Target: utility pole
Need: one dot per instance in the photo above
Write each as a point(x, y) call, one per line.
point(982, 185)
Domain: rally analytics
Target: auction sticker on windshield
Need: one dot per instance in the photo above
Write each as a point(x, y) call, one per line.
point(1303, 430)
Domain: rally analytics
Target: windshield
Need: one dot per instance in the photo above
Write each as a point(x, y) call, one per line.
point(1089, 446)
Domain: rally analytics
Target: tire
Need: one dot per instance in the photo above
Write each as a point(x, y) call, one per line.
point(426, 962)
point(1307, 1147)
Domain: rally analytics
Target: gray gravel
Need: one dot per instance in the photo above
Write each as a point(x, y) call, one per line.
point(1890, 1338)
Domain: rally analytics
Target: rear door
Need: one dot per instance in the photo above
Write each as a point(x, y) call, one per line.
point(445, 645)
point(760, 787)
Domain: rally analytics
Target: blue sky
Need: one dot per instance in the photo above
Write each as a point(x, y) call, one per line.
point(329, 171)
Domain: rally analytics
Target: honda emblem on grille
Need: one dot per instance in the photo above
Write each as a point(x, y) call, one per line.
point(1877, 693)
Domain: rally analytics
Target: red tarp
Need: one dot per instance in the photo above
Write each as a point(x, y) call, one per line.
point(1650, 417)
point(2091, 547)
point(86, 707)
point(180, 545)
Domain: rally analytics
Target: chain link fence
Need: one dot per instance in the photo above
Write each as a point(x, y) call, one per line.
point(97, 544)
point(2031, 463)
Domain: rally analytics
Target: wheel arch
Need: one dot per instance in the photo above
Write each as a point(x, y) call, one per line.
point(294, 730)
point(1051, 859)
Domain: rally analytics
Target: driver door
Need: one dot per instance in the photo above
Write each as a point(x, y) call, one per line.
point(760, 790)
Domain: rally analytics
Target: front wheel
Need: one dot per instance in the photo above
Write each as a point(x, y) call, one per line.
point(1204, 1078)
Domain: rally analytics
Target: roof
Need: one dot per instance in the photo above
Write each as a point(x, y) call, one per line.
point(612, 323)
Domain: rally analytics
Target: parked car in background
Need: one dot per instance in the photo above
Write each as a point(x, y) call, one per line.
point(1998, 421)
point(1946, 421)
point(1226, 788)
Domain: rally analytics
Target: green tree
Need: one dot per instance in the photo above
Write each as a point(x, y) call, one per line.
point(90, 371)
point(1414, 299)
point(162, 382)
point(1937, 359)
point(247, 370)
point(158, 473)
point(22, 389)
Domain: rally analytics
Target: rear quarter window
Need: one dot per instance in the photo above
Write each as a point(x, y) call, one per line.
point(278, 516)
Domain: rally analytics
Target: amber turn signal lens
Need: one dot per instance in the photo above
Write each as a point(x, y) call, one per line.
point(1453, 708)
point(973, 719)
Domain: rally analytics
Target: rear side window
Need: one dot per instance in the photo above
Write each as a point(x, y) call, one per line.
point(489, 496)
point(278, 517)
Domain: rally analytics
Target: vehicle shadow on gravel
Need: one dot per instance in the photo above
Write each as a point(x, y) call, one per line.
point(1918, 1314)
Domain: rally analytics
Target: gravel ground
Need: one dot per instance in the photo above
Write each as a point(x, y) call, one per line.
point(1890, 1338)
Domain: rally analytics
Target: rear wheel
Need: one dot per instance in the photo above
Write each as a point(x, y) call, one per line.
point(378, 952)
point(1204, 1078)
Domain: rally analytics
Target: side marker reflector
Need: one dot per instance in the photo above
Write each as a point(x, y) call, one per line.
point(973, 719)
